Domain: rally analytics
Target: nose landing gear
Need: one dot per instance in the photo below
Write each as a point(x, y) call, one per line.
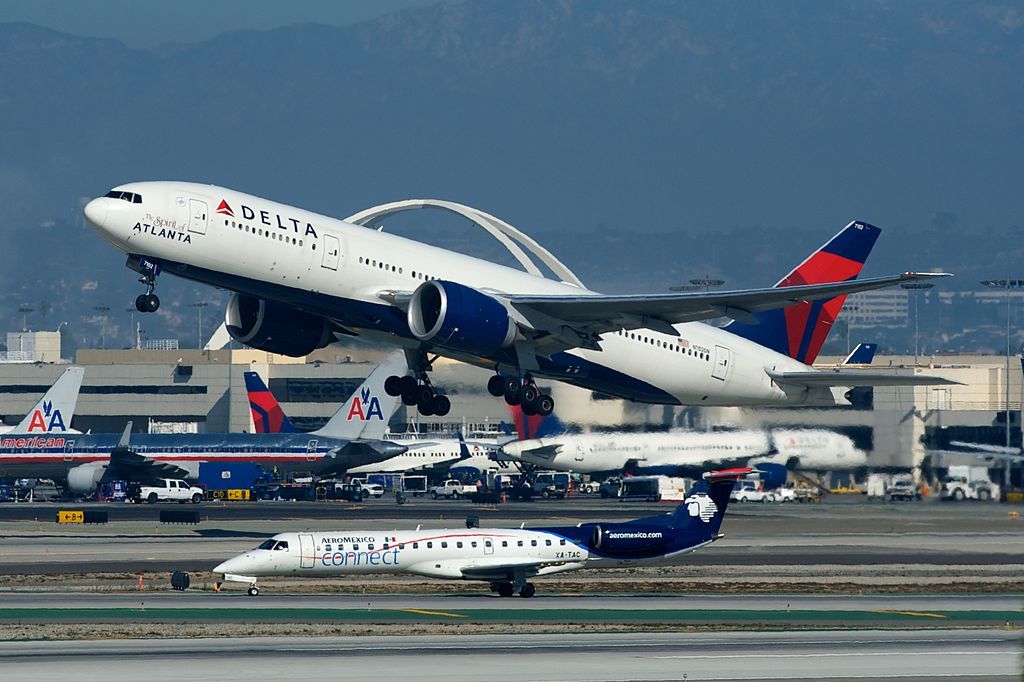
point(148, 302)
point(522, 392)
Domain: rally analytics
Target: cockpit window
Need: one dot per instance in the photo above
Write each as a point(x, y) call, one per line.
point(282, 545)
point(130, 197)
point(269, 544)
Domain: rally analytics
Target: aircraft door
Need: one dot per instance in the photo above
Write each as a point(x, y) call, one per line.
point(332, 252)
point(197, 216)
point(723, 358)
point(488, 546)
point(579, 452)
point(306, 552)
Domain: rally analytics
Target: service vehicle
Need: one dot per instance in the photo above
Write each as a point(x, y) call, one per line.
point(167, 490)
point(968, 483)
point(903, 487)
point(452, 488)
point(375, 490)
point(749, 491)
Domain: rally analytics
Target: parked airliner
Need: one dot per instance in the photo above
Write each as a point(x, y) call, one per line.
point(506, 558)
point(686, 453)
point(300, 278)
point(352, 437)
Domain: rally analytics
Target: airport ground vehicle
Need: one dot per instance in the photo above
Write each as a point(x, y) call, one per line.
point(452, 488)
point(353, 492)
point(610, 487)
point(749, 491)
point(167, 490)
point(507, 558)
point(414, 485)
point(968, 483)
point(547, 484)
point(654, 488)
point(369, 489)
point(903, 487)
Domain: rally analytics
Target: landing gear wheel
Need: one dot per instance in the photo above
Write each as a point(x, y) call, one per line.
point(496, 385)
point(544, 405)
point(512, 385)
point(409, 384)
point(529, 394)
point(529, 409)
point(505, 590)
point(512, 398)
point(426, 408)
point(441, 405)
point(527, 591)
point(425, 394)
point(393, 385)
point(147, 303)
point(253, 590)
point(410, 398)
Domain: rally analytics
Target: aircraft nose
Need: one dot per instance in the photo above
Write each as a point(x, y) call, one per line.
point(232, 565)
point(96, 211)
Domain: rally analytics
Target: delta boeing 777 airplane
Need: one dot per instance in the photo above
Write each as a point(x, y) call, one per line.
point(506, 558)
point(300, 278)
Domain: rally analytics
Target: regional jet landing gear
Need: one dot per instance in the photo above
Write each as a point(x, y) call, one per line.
point(523, 392)
point(417, 390)
point(526, 590)
point(253, 590)
point(148, 302)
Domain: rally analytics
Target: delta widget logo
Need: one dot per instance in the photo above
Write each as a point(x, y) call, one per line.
point(365, 407)
point(46, 419)
point(224, 209)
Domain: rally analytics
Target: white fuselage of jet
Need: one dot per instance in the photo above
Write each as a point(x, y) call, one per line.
point(344, 272)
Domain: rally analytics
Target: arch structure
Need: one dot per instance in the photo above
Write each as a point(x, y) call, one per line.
point(522, 247)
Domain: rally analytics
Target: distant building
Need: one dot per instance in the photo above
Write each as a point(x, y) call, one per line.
point(882, 308)
point(32, 347)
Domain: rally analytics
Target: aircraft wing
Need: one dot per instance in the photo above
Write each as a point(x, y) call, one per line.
point(602, 313)
point(504, 568)
point(853, 377)
point(127, 465)
point(983, 453)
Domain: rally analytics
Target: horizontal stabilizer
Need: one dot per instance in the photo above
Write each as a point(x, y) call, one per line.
point(850, 377)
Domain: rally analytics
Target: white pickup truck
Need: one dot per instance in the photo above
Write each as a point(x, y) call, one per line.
point(168, 490)
point(452, 488)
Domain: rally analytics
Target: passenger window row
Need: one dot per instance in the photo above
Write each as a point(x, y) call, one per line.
point(665, 344)
point(416, 545)
point(260, 232)
point(381, 265)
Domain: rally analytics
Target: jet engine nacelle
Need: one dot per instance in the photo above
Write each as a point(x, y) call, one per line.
point(460, 317)
point(83, 478)
point(275, 327)
point(630, 539)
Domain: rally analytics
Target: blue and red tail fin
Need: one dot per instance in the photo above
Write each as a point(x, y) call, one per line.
point(267, 415)
point(535, 426)
point(799, 331)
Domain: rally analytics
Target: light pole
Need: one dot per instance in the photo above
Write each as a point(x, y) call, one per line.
point(1006, 285)
point(199, 308)
point(25, 310)
point(917, 287)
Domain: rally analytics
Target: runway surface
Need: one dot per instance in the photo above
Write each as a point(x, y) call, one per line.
point(915, 655)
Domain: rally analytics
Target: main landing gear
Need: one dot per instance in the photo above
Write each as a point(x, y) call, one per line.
point(148, 302)
point(416, 390)
point(526, 590)
point(523, 392)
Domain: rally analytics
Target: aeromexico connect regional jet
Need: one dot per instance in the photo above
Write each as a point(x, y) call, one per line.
point(353, 436)
point(300, 278)
point(506, 558)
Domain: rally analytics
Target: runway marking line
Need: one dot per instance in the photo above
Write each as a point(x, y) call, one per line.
point(433, 613)
point(918, 614)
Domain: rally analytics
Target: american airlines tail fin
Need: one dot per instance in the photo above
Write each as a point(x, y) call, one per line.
point(55, 410)
point(535, 426)
point(365, 415)
point(267, 415)
point(863, 354)
point(799, 331)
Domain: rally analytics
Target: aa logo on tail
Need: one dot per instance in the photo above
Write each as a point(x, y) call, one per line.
point(365, 407)
point(46, 419)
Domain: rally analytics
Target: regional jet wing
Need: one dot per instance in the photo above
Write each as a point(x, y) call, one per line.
point(852, 377)
point(603, 313)
point(501, 569)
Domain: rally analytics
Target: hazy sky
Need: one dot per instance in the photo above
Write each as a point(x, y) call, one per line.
point(139, 23)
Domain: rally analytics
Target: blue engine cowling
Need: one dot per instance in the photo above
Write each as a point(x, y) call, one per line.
point(772, 475)
point(629, 539)
point(459, 317)
point(275, 327)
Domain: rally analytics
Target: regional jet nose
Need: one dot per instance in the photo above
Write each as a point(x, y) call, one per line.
point(232, 565)
point(96, 212)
